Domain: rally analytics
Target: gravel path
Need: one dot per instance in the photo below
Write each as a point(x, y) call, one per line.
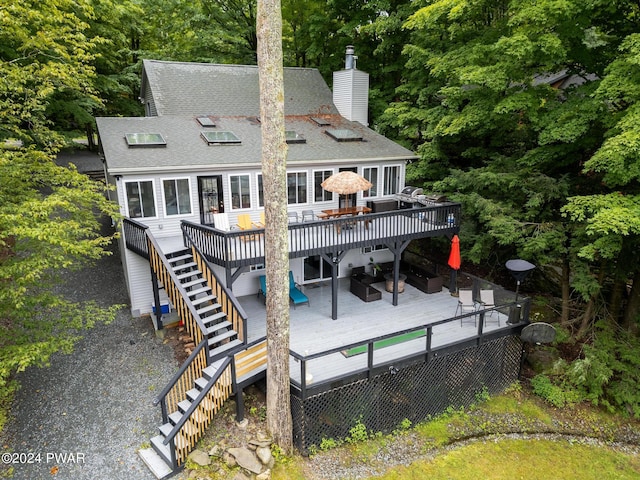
point(94, 405)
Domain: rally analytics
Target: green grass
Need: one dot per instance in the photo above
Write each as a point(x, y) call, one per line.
point(527, 459)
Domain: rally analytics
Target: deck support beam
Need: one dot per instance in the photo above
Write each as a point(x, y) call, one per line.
point(334, 260)
point(397, 248)
point(156, 299)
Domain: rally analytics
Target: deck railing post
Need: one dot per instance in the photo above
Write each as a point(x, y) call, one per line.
point(480, 327)
point(370, 360)
point(429, 338)
point(303, 378)
point(239, 397)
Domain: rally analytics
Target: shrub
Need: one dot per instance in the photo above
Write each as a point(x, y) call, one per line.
point(557, 395)
point(609, 373)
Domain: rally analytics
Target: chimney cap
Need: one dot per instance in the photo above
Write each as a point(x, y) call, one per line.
point(350, 58)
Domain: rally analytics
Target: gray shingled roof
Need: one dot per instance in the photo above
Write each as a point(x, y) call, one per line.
point(181, 88)
point(187, 151)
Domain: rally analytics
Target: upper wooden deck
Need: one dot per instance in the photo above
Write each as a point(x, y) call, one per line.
point(238, 248)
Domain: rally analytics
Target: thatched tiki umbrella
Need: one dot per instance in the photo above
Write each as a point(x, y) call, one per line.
point(346, 183)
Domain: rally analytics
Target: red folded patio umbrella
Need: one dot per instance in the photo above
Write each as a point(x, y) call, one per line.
point(454, 263)
point(454, 255)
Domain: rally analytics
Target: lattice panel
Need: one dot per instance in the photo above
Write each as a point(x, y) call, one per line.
point(413, 393)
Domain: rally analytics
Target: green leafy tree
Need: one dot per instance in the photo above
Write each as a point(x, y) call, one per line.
point(526, 112)
point(48, 213)
point(482, 106)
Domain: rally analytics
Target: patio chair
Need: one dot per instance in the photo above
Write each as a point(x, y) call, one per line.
point(296, 296)
point(245, 223)
point(221, 221)
point(487, 301)
point(261, 223)
point(308, 216)
point(262, 290)
point(293, 217)
point(466, 304)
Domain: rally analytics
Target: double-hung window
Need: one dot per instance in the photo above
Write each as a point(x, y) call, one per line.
point(391, 180)
point(319, 193)
point(240, 191)
point(140, 199)
point(260, 191)
point(297, 187)
point(177, 196)
point(371, 174)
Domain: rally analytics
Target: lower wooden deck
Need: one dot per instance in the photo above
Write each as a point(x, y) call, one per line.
point(313, 331)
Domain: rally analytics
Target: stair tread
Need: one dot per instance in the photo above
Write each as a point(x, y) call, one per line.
point(189, 274)
point(208, 320)
point(193, 282)
point(179, 258)
point(207, 298)
point(165, 429)
point(156, 463)
point(208, 308)
point(223, 348)
point(162, 449)
point(193, 293)
point(211, 370)
point(175, 417)
point(182, 266)
point(211, 328)
point(222, 336)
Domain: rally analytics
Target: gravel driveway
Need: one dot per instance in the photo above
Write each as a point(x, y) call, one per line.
point(89, 412)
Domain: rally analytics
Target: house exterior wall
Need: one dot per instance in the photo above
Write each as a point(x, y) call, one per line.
point(166, 228)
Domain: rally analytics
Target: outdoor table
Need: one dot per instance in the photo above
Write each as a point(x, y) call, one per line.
point(345, 212)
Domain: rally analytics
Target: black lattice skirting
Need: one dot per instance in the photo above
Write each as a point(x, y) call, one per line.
point(414, 393)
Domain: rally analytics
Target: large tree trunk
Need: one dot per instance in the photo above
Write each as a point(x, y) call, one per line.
point(274, 152)
point(631, 317)
point(566, 290)
point(590, 311)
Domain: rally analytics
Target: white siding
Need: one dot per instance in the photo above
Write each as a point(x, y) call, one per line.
point(166, 229)
point(351, 95)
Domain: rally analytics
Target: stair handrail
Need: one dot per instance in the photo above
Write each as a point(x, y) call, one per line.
point(174, 379)
point(234, 310)
point(183, 294)
point(179, 453)
point(194, 404)
point(134, 233)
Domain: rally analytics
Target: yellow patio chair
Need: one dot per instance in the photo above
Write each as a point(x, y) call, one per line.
point(245, 223)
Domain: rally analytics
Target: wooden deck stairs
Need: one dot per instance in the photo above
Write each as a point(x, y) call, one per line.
point(219, 330)
point(219, 367)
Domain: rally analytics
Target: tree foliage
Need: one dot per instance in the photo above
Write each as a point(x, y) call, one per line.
point(48, 213)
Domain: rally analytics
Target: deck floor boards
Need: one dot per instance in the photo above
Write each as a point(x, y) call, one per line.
point(313, 330)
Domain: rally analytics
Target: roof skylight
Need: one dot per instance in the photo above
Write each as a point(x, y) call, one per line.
point(219, 138)
point(206, 121)
point(292, 136)
point(321, 122)
point(344, 135)
point(145, 140)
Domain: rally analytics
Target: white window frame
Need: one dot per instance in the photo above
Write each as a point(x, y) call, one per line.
point(367, 193)
point(164, 197)
point(385, 184)
point(306, 183)
point(126, 196)
point(248, 175)
point(260, 193)
point(313, 183)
